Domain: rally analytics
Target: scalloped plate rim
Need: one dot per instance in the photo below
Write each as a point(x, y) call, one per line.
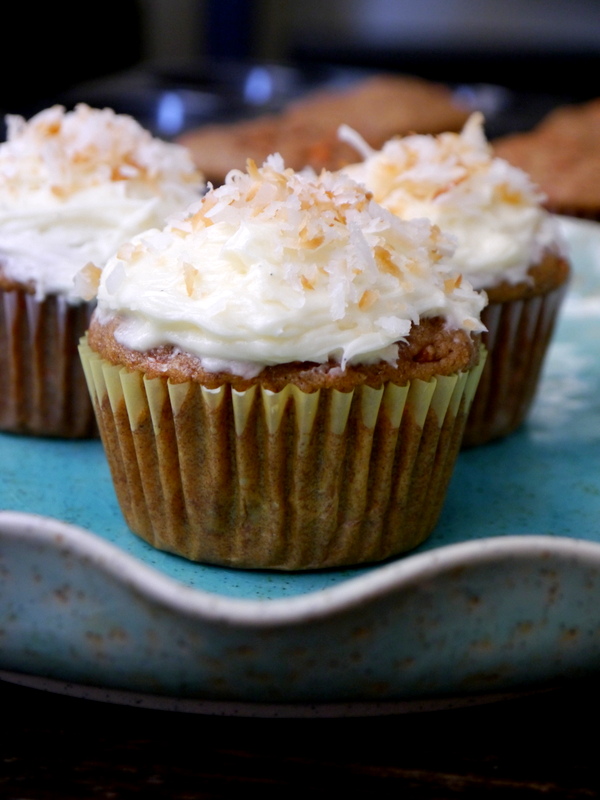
point(381, 580)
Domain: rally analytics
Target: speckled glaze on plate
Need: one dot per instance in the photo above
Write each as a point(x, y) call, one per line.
point(503, 597)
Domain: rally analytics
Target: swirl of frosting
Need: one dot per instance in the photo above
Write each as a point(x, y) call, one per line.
point(277, 266)
point(75, 185)
point(492, 208)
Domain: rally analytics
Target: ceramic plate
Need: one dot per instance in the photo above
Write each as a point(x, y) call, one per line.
point(502, 598)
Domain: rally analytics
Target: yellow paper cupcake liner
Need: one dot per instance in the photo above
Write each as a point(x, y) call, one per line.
point(287, 480)
point(517, 339)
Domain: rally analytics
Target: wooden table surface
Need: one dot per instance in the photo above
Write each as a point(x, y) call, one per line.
point(540, 745)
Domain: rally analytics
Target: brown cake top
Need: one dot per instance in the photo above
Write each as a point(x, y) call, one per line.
point(431, 349)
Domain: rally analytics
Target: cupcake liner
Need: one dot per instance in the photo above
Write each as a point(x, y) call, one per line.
point(45, 392)
point(517, 339)
point(287, 480)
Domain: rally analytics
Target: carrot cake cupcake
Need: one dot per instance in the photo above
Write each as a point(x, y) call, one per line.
point(282, 376)
point(73, 186)
point(508, 245)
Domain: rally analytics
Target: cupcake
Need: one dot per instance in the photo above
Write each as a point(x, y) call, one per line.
point(282, 376)
point(507, 245)
point(73, 186)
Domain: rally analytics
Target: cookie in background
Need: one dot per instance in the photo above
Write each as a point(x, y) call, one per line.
point(562, 155)
point(305, 132)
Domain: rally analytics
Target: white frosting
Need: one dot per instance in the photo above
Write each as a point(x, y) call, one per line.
point(492, 208)
point(75, 185)
point(277, 266)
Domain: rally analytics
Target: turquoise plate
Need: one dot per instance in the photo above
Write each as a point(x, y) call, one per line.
point(503, 597)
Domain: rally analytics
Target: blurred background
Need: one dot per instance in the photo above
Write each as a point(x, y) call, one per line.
point(178, 63)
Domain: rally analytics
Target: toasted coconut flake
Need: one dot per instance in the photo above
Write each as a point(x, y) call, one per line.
point(252, 169)
point(293, 266)
point(452, 283)
point(87, 281)
point(126, 251)
point(73, 150)
point(367, 299)
point(190, 273)
point(385, 261)
point(452, 179)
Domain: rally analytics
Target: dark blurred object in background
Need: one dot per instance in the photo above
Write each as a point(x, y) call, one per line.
point(49, 47)
point(231, 28)
point(179, 64)
point(525, 45)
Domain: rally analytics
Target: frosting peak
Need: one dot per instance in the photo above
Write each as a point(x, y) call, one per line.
point(492, 208)
point(67, 152)
point(276, 266)
point(74, 185)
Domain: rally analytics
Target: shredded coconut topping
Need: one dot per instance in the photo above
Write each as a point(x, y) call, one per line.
point(492, 208)
point(74, 185)
point(66, 152)
point(277, 266)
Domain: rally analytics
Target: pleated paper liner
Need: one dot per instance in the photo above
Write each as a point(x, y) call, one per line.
point(44, 389)
point(517, 339)
point(286, 481)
